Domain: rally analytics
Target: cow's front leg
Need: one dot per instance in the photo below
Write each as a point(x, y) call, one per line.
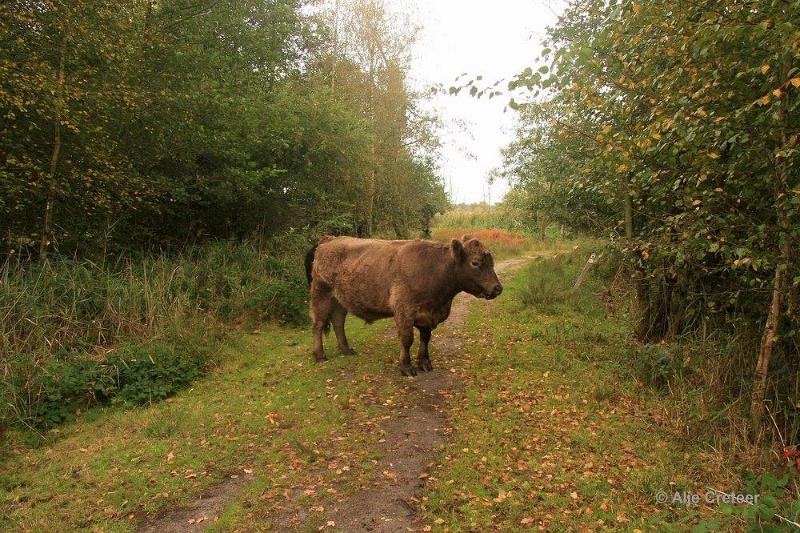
point(424, 358)
point(405, 330)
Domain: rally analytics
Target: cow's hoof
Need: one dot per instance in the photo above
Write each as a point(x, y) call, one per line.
point(408, 370)
point(320, 359)
point(347, 351)
point(425, 365)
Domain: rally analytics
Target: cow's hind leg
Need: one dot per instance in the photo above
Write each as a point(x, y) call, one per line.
point(338, 315)
point(322, 303)
point(405, 330)
point(423, 358)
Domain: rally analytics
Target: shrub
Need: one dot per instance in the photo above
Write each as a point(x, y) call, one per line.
point(74, 333)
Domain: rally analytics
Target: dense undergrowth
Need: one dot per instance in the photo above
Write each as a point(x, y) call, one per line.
point(690, 386)
point(75, 333)
point(706, 372)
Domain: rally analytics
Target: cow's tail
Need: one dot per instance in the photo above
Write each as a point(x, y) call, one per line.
point(309, 268)
point(310, 262)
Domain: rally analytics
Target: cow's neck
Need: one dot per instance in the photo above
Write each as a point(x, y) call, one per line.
point(453, 287)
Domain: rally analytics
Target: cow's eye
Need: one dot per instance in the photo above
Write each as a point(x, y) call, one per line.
point(476, 264)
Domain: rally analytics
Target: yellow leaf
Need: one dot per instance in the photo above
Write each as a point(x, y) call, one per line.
point(765, 68)
point(713, 155)
point(777, 93)
point(635, 8)
point(795, 82)
point(764, 100)
point(622, 168)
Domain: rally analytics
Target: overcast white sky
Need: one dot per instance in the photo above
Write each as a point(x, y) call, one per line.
point(495, 39)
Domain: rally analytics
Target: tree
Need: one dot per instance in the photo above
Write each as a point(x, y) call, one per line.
point(680, 121)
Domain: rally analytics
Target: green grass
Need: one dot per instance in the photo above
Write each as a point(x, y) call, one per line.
point(267, 409)
point(75, 333)
point(552, 429)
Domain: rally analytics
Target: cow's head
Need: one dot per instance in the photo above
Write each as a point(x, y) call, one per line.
point(475, 268)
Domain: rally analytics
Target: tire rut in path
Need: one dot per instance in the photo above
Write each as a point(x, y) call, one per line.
point(413, 435)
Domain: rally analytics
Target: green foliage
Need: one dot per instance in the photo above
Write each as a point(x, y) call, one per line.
point(133, 125)
point(673, 129)
point(772, 512)
point(74, 333)
point(549, 284)
point(133, 374)
point(131, 128)
point(657, 364)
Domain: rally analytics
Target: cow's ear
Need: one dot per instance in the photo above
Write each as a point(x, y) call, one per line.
point(472, 245)
point(465, 238)
point(458, 250)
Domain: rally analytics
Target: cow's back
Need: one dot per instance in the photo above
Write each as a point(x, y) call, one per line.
point(367, 276)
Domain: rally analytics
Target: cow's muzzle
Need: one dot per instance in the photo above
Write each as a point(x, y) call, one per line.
point(495, 292)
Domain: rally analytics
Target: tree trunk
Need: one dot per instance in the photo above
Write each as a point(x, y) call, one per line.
point(782, 268)
point(51, 181)
point(765, 352)
point(628, 215)
point(371, 183)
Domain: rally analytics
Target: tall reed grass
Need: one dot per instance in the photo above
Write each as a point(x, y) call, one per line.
point(61, 316)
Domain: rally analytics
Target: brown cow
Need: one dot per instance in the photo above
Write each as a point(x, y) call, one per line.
point(413, 281)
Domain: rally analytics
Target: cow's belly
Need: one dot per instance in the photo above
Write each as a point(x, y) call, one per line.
point(364, 305)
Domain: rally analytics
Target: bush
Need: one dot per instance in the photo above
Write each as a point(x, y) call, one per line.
point(74, 333)
point(658, 364)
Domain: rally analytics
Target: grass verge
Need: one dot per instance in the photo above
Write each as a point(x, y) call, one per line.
point(554, 431)
point(266, 412)
point(75, 333)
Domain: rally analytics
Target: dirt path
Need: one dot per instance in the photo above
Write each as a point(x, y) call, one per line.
point(414, 434)
point(409, 444)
